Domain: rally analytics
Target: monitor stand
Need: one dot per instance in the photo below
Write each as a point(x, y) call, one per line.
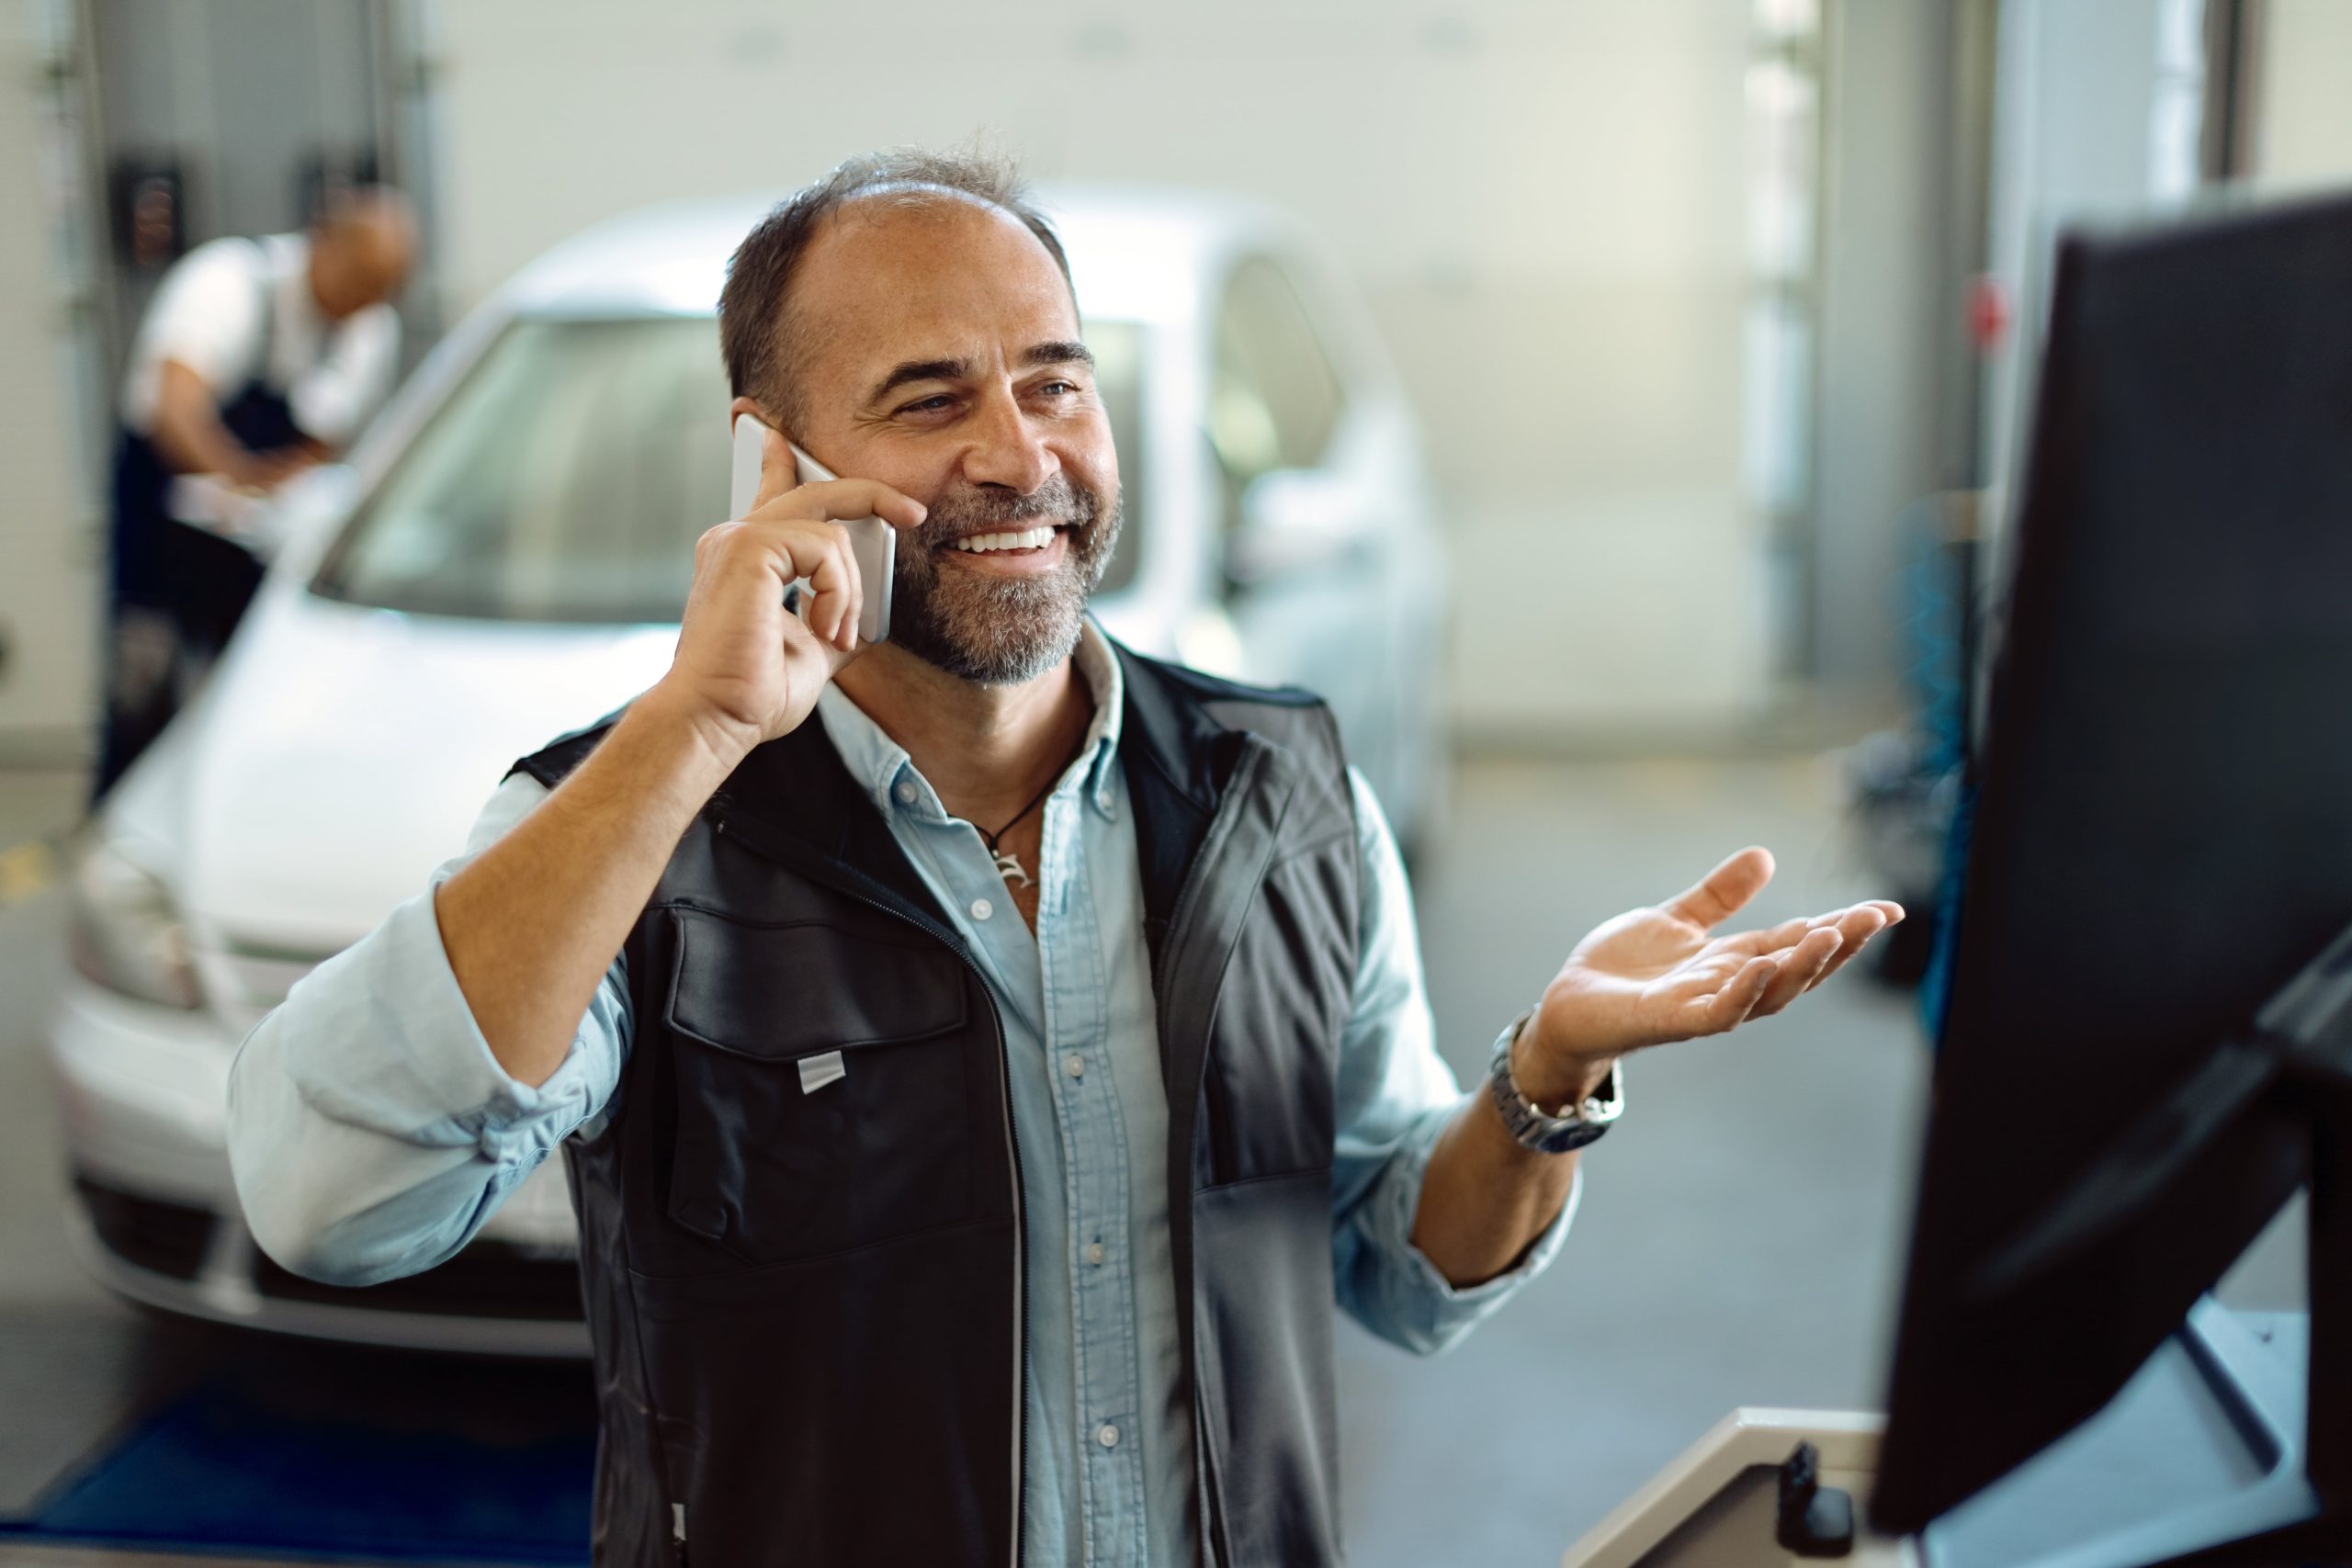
point(2205, 1444)
point(2298, 1060)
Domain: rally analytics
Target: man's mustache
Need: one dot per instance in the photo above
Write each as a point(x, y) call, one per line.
point(975, 510)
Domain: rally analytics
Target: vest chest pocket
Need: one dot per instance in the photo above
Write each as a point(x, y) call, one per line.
point(822, 1092)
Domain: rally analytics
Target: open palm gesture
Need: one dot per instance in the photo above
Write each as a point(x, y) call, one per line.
point(1658, 974)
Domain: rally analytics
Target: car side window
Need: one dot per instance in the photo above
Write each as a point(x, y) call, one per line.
point(1274, 398)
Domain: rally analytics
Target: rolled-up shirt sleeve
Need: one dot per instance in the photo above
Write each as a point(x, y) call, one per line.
point(207, 315)
point(371, 1131)
point(1395, 1097)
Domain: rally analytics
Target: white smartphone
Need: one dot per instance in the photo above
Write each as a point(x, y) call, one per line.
point(873, 542)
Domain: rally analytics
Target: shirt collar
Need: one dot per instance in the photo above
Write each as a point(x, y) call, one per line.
point(879, 763)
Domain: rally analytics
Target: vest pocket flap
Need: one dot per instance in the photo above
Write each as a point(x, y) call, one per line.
point(777, 993)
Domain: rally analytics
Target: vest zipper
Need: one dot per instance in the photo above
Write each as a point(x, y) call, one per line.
point(948, 939)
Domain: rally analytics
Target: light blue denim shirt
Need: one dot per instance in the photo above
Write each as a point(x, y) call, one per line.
point(372, 1132)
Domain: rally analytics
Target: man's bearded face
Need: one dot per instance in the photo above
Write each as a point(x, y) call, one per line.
point(996, 629)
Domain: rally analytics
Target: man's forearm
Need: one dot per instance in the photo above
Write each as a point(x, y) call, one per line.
point(187, 427)
point(1486, 1196)
point(533, 922)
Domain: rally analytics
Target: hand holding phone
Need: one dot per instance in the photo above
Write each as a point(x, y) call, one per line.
point(873, 542)
point(750, 662)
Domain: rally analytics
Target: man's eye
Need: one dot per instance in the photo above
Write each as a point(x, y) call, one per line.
point(928, 405)
point(1060, 387)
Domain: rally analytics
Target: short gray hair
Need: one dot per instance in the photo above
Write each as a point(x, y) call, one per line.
point(753, 334)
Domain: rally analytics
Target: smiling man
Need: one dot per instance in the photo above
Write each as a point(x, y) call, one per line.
point(985, 1058)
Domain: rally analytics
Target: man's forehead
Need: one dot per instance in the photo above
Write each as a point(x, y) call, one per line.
point(885, 280)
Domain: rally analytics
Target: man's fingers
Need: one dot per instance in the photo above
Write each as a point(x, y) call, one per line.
point(777, 553)
point(834, 583)
point(1726, 890)
point(841, 500)
point(1857, 926)
point(1880, 912)
point(826, 587)
point(1800, 967)
point(1730, 1006)
point(778, 472)
point(1774, 938)
point(843, 632)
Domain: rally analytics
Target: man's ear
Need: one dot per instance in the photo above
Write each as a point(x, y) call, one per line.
point(759, 410)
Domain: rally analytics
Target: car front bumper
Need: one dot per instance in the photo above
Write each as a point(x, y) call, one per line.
point(143, 1094)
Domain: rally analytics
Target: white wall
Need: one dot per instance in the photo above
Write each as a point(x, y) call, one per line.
point(1540, 197)
point(2302, 125)
point(49, 533)
point(1883, 321)
point(2096, 114)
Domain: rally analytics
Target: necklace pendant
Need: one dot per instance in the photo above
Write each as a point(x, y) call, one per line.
point(1010, 868)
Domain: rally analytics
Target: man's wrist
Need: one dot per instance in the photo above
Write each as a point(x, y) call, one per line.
point(716, 743)
point(1551, 1079)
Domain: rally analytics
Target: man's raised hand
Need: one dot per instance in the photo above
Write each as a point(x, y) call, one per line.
point(747, 670)
point(1659, 975)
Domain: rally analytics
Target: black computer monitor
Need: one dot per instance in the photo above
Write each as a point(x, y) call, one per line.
point(2160, 840)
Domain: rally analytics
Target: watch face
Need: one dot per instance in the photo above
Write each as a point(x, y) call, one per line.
point(1575, 1136)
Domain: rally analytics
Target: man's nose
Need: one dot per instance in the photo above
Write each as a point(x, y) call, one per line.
point(1007, 448)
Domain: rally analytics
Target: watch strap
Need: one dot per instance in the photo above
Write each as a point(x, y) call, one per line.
point(1534, 1127)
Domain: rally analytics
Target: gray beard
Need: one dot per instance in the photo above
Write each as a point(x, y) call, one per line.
point(1000, 631)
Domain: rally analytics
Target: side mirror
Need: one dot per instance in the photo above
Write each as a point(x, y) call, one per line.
point(1294, 521)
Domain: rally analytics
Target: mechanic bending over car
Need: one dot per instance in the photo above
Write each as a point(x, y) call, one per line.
point(258, 359)
point(978, 1097)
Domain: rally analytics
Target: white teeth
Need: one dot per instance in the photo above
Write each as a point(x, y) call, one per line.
point(1027, 539)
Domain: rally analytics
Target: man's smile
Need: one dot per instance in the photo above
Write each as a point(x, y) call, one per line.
point(1015, 551)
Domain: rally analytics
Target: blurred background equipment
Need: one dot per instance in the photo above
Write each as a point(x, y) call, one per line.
point(1611, 403)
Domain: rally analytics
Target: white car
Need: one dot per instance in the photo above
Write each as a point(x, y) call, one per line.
point(504, 559)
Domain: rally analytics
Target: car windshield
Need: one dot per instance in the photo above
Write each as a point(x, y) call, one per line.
point(567, 477)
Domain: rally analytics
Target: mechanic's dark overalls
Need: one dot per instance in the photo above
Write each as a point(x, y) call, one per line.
point(196, 582)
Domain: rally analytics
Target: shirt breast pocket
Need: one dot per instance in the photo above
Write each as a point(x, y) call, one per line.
point(824, 1100)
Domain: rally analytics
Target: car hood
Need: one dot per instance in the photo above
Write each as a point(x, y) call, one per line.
point(341, 753)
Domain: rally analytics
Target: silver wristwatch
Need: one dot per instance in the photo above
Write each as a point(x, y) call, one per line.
point(1535, 1128)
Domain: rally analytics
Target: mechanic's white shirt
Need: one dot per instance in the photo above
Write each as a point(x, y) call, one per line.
point(207, 315)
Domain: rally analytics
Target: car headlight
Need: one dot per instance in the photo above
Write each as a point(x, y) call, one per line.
point(127, 932)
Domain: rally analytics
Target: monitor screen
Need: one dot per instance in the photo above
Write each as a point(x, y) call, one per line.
point(2162, 828)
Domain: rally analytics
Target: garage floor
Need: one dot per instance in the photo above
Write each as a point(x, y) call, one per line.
point(1739, 1241)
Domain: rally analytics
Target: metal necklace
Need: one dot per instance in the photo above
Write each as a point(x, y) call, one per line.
point(1008, 864)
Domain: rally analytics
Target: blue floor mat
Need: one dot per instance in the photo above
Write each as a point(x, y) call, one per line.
point(216, 1469)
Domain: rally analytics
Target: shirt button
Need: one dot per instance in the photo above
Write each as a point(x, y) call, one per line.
point(1094, 1253)
point(982, 909)
point(1107, 1434)
point(905, 792)
point(1074, 1064)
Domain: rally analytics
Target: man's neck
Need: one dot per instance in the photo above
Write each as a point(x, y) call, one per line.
point(987, 750)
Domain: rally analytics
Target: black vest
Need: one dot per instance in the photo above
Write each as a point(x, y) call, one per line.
point(807, 1307)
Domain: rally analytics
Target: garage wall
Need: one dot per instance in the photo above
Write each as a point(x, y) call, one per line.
point(49, 538)
point(2097, 116)
point(1542, 198)
point(1887, 320)
point(2302, 81)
